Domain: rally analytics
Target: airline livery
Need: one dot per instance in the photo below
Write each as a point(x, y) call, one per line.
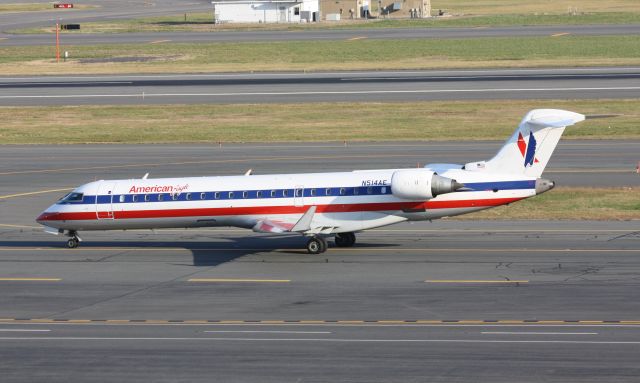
point(322, 204)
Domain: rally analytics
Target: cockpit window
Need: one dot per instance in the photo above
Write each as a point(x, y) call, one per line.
point(72, 197)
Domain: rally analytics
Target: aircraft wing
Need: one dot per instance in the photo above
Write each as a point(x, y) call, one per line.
point(304, 225)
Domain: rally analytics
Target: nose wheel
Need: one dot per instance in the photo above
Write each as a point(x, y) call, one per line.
point(74, 241)
point(317, 245)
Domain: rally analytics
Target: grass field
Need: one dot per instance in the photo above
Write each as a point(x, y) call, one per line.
point(325, 55)
point(564, 203)
point(434, 120)
point(497, 7)
point(202, 22)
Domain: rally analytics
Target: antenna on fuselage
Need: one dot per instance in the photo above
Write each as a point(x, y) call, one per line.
point(248, 173)
point(144, 177)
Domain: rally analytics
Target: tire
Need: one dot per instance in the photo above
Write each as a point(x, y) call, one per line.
point(72, 243)
point(345, 239)
point(314, 246)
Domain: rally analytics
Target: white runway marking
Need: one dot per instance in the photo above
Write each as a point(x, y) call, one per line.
point(536, 333)
point(312, 93)
point(298, 74)
point(268, 332)
point(468, 341)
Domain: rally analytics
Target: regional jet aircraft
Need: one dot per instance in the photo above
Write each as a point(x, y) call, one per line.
point(322, 204)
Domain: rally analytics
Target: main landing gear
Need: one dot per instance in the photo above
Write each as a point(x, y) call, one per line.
point(74, 241)
point(318, 245)
point(345, 239)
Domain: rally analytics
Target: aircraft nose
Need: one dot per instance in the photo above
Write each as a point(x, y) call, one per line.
point(44, 217)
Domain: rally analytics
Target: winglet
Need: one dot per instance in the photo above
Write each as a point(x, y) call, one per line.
point(304, 223)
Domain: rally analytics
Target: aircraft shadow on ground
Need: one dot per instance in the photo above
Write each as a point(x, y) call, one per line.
point(204, 253)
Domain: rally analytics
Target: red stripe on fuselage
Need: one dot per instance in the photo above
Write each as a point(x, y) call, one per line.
point(276, 210)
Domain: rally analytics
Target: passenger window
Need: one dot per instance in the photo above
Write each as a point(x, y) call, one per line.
point(356, 191)
point(299, 192)
point(312, 192)
point(343, 191)
point(259, 194)
point(188, 196)
point(121, 198)
point(160, 197)
point(216, 195)
point(284, 193)
point(245, 194)
point(327, 191)
point(383, 190)
point(230, 195)
point(134, 198)
point(147, 198)
point(369, 190)
point(174, 196)
point(203, 195)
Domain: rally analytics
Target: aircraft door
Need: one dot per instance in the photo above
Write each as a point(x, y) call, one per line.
point(104, 200)
point(298, 196)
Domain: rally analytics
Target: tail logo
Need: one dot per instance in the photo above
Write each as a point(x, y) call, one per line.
point(528, 151)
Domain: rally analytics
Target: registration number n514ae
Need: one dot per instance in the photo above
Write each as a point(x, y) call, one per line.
point(375, 183)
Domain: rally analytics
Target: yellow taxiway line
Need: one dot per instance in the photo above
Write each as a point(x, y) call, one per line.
point(33, 193)
point(560, 34)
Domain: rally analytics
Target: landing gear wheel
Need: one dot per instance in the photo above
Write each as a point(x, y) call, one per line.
point(73, 242)
point(345, 239)
point(316, 245)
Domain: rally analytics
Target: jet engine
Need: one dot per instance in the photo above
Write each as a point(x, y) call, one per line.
point(421, 184)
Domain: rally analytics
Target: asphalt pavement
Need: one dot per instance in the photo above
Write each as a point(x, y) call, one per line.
point(72, 38)
point(572, 83)
point(481, 301)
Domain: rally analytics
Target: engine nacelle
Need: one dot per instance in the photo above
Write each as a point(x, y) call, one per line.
point(421, 184)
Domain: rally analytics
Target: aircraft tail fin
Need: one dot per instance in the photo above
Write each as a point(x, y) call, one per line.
point(529, 149)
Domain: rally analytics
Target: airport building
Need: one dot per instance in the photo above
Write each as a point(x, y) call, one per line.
point(297, 11)
point(265, 11)
point(334, 10)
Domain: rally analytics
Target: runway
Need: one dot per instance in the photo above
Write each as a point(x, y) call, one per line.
point(573, 83)
point(70, 39)
point(449, 300)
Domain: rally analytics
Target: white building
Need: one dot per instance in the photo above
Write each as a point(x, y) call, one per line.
point(265, 11)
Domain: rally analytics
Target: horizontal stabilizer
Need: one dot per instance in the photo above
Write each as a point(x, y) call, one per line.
point(555, 119)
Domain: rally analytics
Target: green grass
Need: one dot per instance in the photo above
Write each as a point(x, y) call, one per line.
point(434, 120)
point(200, 22)
point(571, 203)
point(329, 55)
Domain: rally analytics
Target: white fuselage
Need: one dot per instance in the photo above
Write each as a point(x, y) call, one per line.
point(344, 202)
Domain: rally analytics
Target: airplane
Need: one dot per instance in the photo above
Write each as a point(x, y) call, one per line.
point(319, 205)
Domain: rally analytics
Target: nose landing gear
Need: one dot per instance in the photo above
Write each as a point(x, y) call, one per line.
point(74, 241)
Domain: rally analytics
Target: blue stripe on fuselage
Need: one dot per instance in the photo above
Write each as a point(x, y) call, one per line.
point(285, 193)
